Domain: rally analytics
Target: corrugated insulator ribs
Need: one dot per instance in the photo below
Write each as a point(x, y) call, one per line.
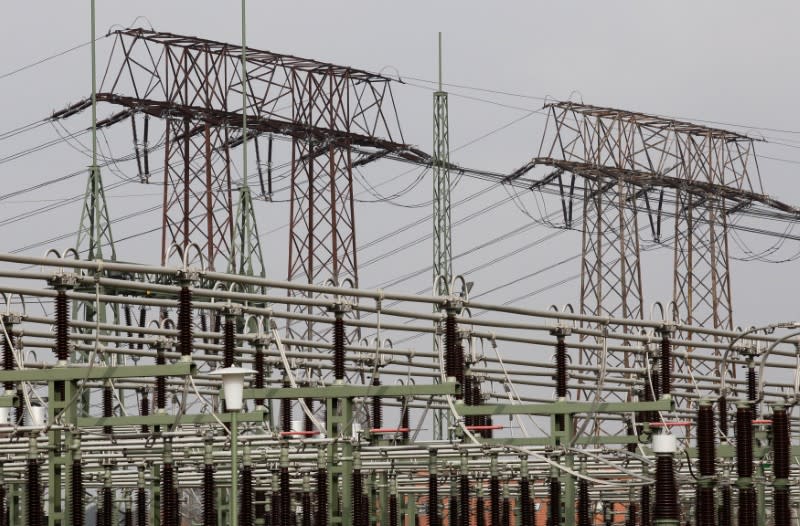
point(185, 321)
point(286, 409)
point(644, 502)
point(525, 504)
point(308, 424)
point(246, 497)
point(34, 497)
point(494, 500)
point(229, 342)
point(142, 323)
point(706, 440)
point(583, 503)
point(338, 346)
point(322, 497)
point(209, 496)
point(108, 407)
point(77, 509)
point(453, 351)
point(62, 326)
point(561, 367)
point(308, 513)
point(144, 410)
point(452, 512)
point(463, 500)
point(393, 510)
point(781, 454)
point(666, 364)
point(141, 507)
point(377, 406)
point(480, 512)
point(506, 511)
point(666, 506)
point(108, 506)
point(286, 497)
point(752, 387)
point(705, 505)
point(261, 505)
point(161, 386)
point(555, 501)
point(258, 365)
point(631, 520)
point(168, 500)
point(744, 442)
point(458, 366)
point(358, 491)
point(404, 419)
point(433, 500)
point(725, 505)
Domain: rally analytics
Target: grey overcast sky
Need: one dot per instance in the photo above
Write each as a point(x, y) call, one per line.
point(731, 62)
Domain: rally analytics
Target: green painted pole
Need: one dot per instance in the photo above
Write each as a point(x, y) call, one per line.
point(234, 496)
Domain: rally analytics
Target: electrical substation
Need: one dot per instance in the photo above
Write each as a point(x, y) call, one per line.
point(202, 387)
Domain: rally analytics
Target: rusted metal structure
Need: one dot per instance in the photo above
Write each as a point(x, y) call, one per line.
point(628, 160)
point(195, 86)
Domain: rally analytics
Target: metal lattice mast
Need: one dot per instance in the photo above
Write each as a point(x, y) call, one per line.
point(442, 242)
point(246, 247)
point(95, 227)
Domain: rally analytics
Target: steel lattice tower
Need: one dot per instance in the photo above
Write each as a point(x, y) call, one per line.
point(442, 239)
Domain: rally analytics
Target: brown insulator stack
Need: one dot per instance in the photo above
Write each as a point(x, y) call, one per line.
point(781, 454)
point(169, 502)
point(275, 508)
point(34, 497)
point(286, 409)
point(107, 495)
point(666, 505)
point(161, 386)
point(322, 497)
point(433, 500)
point(555, 501)
point(463, 500)
point(452, 511)
point(393, 510)
point(141, 507)
point(506, 511)
point(706, 433)
point(229, 342)
point(142, 323)
point(480, 512)
point(645, 505)
point(258, 365)
point(286, 497)
point(725, 508)
point(246, 497)
point(204, 324)
point(108, 407)
point(338, 347)
point(77, 509)
point(377, 406)
point(458, 365)
point(209, 496)
point(261, 505)
point(127, 517)
point(494, 500)
point(308, 513)
point(185, 336)
point(358, 501)
point(666, 364)
point(561, 367)
point(144, 410)
point(752, 388)
point(450, 344)
point(525, 504)
point(3, 507)
point(466, 388)
point(8, 355)
point(62, 326)
point(128, 318)
point(583, 503)
point(744, 464)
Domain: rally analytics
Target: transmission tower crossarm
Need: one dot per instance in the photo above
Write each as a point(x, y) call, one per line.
point(650, 180)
